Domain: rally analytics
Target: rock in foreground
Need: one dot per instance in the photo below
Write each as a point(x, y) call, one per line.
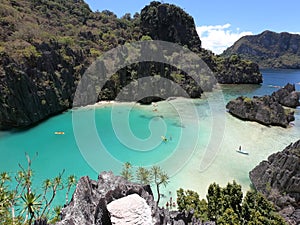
point(139, 211)
point(114, 200)
point(278, 179)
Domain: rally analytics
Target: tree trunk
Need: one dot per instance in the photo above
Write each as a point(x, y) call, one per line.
point(13, 215)
point(40, 222)
point(158, 193)
point(67, 197)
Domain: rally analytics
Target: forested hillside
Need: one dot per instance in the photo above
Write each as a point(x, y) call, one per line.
point(269, 49)
point(47, 45)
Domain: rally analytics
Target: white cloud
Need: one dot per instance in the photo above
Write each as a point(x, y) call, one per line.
point(219, 37)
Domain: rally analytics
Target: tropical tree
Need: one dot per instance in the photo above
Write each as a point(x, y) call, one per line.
point(4, 177)
point(4, 195)
point(256, 209)
point(146, 176)
point(31, 205)
point(4, 199)
point(143, 176)
point(226, 206)
point(51, 186)
point(229, 217)
point(57, 215)
point(189, 200)
point(127, 171)
point(232, 197)
point(160, 178)
point(214, 201)
point(70, 183)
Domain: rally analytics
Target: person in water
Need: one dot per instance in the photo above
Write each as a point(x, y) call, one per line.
point(164, 138)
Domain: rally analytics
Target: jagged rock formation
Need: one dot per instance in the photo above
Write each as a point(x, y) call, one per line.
point(287, 96)
point(278, 178)
point(170, 23)
point(39, 88)
point(269, 49)
point(46, 46)
point(263, 110)
point(267, 110)
point(89, 204)
point(138, 212)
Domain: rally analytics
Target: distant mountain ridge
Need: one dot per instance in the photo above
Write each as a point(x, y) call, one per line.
point(269, 49)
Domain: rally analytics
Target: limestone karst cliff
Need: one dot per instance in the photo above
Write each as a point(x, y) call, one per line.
point(46, 46)
point(278, 178)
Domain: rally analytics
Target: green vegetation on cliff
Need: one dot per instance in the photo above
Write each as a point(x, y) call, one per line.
point(47, 45)
point(269, 49)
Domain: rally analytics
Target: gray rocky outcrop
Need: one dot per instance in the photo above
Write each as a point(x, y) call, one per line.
point(267, 110)
point(170, 23)
point(278, 178)
point(41, 87)
point(93, 201)
point(287, 96)
point(131, 209)
point(264, 110)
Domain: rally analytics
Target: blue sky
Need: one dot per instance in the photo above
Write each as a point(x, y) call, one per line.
point(222, 22)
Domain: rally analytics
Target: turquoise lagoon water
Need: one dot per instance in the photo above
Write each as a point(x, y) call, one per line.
point(200, 148)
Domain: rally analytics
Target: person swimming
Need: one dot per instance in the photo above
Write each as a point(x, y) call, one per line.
point(164, 138)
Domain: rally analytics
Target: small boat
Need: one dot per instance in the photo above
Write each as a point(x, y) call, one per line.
point(242, 152)
point(59, 132)
point(273, 86)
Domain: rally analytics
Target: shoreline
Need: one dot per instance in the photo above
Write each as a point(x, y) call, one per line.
point(227, 166)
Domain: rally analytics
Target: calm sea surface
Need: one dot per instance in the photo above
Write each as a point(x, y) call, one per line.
point(200, 146)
